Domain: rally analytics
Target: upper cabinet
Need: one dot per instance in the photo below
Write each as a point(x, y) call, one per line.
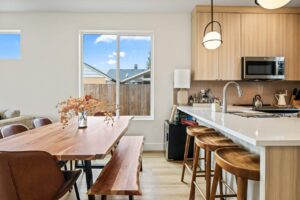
point(220, 64)
point(230, 50)
point(272, 35)
point(291, 50)
point(246, 32)
point(262, 35)
point(205, 62)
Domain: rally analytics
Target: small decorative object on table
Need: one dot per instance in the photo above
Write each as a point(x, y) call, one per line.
point(82, 120)
point(82, 107)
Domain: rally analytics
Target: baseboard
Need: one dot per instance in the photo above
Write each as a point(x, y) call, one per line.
point(153, 146)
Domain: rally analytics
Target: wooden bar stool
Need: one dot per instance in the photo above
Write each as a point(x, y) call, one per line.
point(192, 131)
point(239, 162)
point(210, 142)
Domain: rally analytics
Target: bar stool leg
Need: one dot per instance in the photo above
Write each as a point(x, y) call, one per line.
point(195, 163)
point(221, 185)
point(208, 173)
point(242, 184)
point(216, 179)
point(186, 152)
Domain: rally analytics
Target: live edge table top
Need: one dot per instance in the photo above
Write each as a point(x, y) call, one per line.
point(70, 143)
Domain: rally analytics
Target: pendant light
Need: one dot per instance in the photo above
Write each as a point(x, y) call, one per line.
point(272, 4)
point(213, 39)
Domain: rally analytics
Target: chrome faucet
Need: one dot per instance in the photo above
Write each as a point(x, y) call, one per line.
point(239, 89)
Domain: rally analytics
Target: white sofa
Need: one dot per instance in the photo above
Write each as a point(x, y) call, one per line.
point(25, 120)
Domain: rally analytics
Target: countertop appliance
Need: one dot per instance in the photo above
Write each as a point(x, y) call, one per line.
point(257, 101)
point(263, 68)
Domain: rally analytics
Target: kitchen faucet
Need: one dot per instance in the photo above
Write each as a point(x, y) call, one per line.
point(239, 89)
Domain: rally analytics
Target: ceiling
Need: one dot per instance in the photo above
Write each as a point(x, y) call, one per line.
point(115, 5)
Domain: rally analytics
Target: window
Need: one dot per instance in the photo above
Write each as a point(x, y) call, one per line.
point(10, 44)
point(118, 67)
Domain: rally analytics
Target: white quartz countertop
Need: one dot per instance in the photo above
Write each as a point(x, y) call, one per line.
point(283, 131)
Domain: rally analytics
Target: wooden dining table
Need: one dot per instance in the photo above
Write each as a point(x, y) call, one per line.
point(70, 143)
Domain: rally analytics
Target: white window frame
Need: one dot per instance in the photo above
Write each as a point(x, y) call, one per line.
point(118, 34)
point(13, 31)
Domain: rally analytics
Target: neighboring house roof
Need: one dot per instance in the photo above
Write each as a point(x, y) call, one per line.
point(90, 71)
point(139, 75)
point(125, 73)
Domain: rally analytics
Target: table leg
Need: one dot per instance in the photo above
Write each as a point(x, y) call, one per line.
point(89, 176)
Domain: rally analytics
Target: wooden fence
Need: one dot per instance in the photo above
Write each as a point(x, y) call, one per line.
point(134, 99)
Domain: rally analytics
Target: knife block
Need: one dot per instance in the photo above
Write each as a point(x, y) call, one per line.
point(296, 103)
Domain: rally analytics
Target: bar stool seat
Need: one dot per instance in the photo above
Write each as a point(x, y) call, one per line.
point(213, 141)
point(239, 162)
point(210, 142)
point(192, 131)
point(198, 130)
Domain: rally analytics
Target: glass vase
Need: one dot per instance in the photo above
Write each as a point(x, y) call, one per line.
point(82, 120)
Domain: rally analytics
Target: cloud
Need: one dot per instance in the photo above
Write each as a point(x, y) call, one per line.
point(145, 38)
point(111, 62)
point(105, 38)
point(122, 54)
point(113, 54)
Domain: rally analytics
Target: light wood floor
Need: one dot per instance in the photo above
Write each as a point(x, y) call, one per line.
point(160, 180)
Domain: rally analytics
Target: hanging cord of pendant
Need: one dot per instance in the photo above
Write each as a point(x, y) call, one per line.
point(212, 15)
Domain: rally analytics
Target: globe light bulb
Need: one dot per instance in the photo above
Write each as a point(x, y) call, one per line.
point(212, 40)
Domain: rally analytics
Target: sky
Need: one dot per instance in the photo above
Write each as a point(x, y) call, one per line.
point(10, 46)
point(100, 51)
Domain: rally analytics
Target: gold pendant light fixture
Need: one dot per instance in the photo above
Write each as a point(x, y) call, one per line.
point(213, 39)
point(272, 4)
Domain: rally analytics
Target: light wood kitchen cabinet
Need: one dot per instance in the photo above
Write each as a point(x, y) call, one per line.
point(205, 63)
point(262, 35)
point(272, 35)
point(291, 46)
point(230, 50)
point(224, 62)
point(247, 31)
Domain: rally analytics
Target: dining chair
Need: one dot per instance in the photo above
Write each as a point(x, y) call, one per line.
point(34, 175)
point(12, 129)
point(38, 122)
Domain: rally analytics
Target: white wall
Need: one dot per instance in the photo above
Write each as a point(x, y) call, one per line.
point(48, 70)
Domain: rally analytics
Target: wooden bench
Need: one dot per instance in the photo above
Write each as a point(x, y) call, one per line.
point(120, 176)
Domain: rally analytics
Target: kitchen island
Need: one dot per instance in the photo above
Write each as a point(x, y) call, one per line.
point(276, 140)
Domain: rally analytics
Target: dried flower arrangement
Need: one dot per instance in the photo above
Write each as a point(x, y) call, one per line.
point(73, 106)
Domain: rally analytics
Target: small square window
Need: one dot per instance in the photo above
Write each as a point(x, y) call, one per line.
point(10, 45)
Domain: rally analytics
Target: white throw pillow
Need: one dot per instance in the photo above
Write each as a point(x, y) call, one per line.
point(11, 114)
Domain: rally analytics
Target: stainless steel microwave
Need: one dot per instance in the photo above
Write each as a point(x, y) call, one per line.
point(263, 68)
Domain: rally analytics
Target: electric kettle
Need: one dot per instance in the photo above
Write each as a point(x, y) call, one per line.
point(257, 101)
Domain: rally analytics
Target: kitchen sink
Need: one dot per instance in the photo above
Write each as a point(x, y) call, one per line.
point(234, 112)
point(256, 115)
point(271, 109)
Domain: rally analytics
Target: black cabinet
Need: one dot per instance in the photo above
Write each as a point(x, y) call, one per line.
point(175, 137)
